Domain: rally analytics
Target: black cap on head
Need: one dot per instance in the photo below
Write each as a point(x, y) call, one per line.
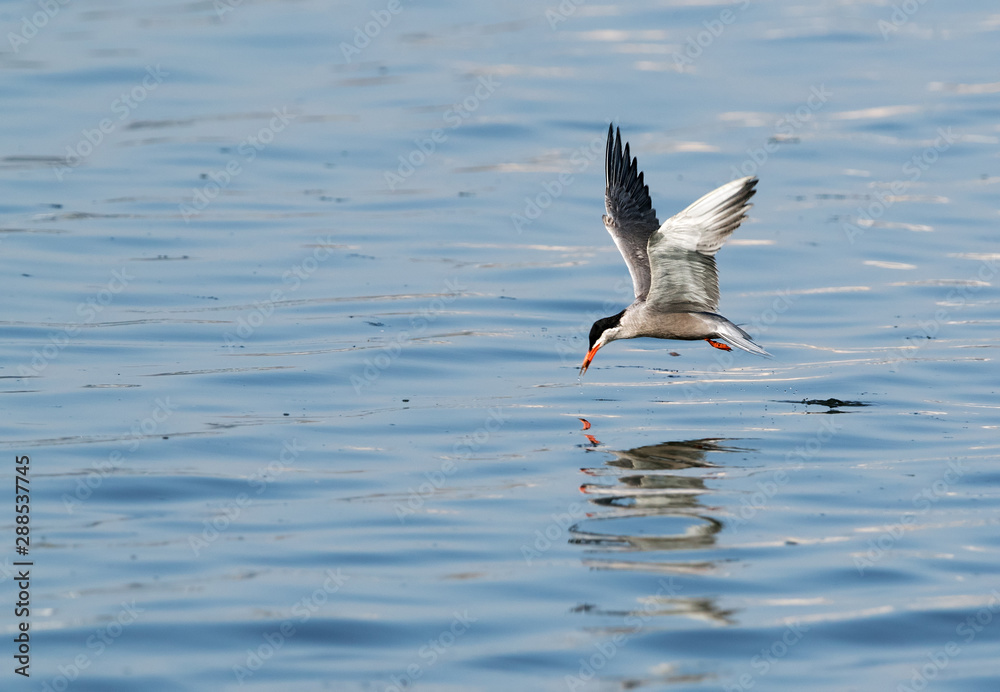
point(602, 325)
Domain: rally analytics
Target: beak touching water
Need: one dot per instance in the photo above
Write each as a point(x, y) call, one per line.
point(590, 356)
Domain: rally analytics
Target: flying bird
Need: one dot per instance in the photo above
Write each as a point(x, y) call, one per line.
point(673, 265)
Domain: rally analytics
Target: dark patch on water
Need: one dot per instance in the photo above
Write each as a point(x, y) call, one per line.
point(829, 403)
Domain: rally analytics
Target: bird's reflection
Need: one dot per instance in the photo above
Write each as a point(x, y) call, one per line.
point(656, 487)
point(654, 518)
point(659, 488)
point(660, 605)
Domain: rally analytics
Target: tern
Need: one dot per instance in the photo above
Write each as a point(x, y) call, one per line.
point(673, 265)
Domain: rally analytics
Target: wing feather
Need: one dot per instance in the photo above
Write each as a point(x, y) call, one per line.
point(682, 251)
point(630, 218)
point(707, 223)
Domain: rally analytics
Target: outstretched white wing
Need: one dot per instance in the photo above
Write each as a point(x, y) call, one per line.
point(682, 251)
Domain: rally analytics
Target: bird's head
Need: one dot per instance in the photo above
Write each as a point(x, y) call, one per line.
point(605, 330)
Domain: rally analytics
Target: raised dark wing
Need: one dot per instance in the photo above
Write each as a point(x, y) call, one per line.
point(630, 217)
point(682, 252)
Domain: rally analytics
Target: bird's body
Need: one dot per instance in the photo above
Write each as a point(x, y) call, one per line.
point(672, 265)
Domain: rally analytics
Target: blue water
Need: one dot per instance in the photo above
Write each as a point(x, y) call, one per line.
point(295, 299)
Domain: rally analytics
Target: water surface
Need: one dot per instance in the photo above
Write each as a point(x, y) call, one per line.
point(293, 323)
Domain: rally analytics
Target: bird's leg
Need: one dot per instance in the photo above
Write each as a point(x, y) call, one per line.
point(720, 345)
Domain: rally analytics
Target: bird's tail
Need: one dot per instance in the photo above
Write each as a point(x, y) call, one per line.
point(737, 337)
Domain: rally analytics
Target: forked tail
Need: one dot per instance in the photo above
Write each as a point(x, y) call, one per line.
point(737, 337)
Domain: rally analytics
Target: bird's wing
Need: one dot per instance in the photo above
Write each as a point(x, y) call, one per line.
point(682, 251)
point(682, 280)
point(706, 224)
point(630, 217)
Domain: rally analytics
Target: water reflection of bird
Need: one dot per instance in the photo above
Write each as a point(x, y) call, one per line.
point(679, 454)
point(655, 488)
point(655, 524)
point(668, 605)
point(672, 266)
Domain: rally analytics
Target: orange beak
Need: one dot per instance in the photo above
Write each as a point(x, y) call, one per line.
point(586, 361)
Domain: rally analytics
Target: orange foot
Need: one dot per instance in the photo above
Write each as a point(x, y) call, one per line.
point(720, 345)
